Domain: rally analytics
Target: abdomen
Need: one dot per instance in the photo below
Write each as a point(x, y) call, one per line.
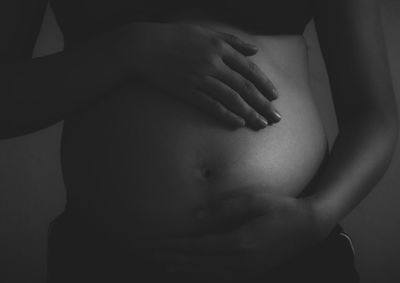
point(141, 162)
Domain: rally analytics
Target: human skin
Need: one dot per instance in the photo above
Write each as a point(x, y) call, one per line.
point(352, 44)
point(365, 109)
point(88, 71)
point(140, 164)
point(306, 220)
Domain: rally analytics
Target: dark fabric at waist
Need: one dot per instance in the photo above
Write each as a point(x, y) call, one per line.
point(79, 257)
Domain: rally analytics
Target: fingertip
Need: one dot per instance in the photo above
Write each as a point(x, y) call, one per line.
point(263, 122)
point(236, 123)
point(275, 93)
point(251, 50)
point(252, 47)
point(240, 122)
point(275, 116)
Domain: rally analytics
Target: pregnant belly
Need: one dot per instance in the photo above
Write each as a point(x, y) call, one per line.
point(140, 162)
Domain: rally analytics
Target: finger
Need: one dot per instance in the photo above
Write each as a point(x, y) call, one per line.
point(245, 48)
point(233, 101)
point(202, 100)
point(252, 72)
point(250, 94)
point(210, 244)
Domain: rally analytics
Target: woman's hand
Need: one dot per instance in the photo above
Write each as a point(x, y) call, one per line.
point(264, 230)
point(205, 68)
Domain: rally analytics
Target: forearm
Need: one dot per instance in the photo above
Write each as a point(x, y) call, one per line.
point(352, 43)
point(39, 92)
point(358, 160)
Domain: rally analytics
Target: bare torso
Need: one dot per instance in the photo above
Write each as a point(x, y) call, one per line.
point(140, 163)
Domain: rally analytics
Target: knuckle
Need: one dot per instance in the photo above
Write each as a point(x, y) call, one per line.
point(216, 106)
point(217, 43)
point(234, 96)
point(223, 112)
point(251, 66)
point(262, 103)
point(230, 37)
point(214, 60)
point(248, 86)
point(251, 115)
point(211, 63)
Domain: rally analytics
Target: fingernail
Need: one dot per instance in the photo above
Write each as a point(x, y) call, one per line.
point(275, 93)
point(252, 46)
point(276, 116)
point(263, 121)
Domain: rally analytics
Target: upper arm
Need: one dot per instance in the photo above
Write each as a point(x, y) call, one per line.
point(353, 46)
point(20, 22)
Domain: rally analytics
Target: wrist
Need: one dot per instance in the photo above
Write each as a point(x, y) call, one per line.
point(324, 220)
